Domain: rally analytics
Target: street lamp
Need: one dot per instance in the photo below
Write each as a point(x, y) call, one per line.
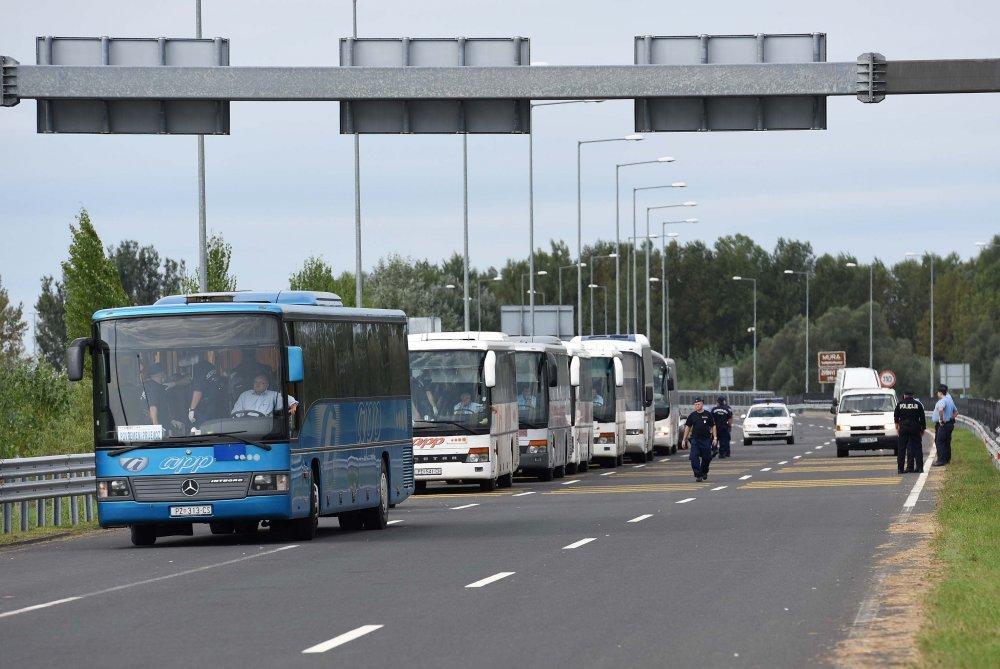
point(871, 307)
point(560, 277)
point(743, 278)
point(479, 299)
point(593, 262)
point(633, 293)
point(665, 295)
point(913, 254)
point(648, 210)
point(618, 285)
point(592, 286)
point(531, 296)
point(635, 137)
point(806, 274)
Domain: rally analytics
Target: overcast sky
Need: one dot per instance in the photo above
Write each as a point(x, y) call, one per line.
point(911, 173)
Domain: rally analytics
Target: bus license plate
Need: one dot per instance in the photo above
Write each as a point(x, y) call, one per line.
point(428, 471)
point(182, 511)
point(867, 440)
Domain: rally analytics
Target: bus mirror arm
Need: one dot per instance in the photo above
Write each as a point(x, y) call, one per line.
point(490, 369)
point(75, 357)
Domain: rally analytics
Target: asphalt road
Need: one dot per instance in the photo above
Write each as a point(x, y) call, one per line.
point(764, 565)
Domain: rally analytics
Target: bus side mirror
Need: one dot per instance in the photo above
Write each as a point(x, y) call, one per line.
point(553, 370)
point(647, 395)
point(75, 357)
point(295, 367)
point(670, 383)
point(619, 373)
point(490, 369)
point(574, 371)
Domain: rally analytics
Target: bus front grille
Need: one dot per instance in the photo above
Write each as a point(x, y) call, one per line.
point(179, 488)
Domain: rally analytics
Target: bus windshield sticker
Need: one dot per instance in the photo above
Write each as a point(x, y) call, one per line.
point(131, 433)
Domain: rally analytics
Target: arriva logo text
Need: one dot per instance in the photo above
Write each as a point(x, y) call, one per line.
point(187, 464)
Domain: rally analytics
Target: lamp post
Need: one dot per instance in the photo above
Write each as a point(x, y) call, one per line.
point(648, 210)
point(560, 277)
point(913, 254)
point(579, 220)
point(531, 298)
point(479, 299)
point(593, 262)
point(871, 307)
point(592, 287)
point(357, 185)
point(618, 286)
point(634, 283)
point(806, 273)
point(665, 295)
point(202, 225)
point(743, 278)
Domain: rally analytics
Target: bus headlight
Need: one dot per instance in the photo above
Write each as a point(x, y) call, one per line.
point(269, 482)
point(478, 455)
point(113, 488)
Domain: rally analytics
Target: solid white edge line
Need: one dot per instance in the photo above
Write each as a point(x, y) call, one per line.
point(639, 519)
point(464, 506)
point(491, 579)
point(744, 478)
point(570, 482)
point(685, 500)
point(577, 544)
point(721, 487)
point(522, 494)
point(342, 639)
point(911, 500)
point(38, 606)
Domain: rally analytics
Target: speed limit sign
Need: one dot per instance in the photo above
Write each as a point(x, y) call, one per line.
point(888, 378)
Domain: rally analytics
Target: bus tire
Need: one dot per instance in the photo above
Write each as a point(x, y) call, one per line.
point(505, 480)
point(790, 440)
point(572, 468)
point(546, 475)
point(489, 485)
point(304, 529)
point(583, 466)
point(142, 535)
point(378, 517)
point(221, 527)
point(559, 472)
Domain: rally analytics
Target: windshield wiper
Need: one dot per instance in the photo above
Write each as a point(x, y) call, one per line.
point(449, 422)
point(193, 439)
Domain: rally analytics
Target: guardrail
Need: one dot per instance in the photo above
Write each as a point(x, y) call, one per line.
point(736, 398)
point(983, 418)
point(49, 490)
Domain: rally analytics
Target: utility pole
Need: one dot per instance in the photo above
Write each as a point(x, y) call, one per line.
point(357, 185)
point(202, 215)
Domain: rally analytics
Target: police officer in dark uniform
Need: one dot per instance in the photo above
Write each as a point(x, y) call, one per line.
point(910, 426)
point(723, 416)
point(700, 436)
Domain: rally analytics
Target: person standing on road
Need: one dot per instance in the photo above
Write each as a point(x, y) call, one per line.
point(944, 424)
point(700, 436)
point(911, 423)
point(723, 416)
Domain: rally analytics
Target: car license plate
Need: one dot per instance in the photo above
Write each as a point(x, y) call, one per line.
point(182, 511)
point(867, 440)
point(428, 471)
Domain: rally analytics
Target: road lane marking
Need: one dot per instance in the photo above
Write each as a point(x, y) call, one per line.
point(911, 500)
point(685, 500)
point(464, 506)
point(577, 544)
point(783, 462)
point(639, 519)
point(649, 487)
point(744, 478)
point(819, 447)
point(522, 494)
point(147, 581)
point(393, 522)
point(796, 457)
point(570, 482)
point(342, 639)
point(766, 469)
point(823, 483)
point(607, 473)
point(637, 466)
point(721, 487)
point(665, 460)
point(491, 579)
point(808, 452)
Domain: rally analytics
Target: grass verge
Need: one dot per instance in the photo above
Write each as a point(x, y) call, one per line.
point(961, 625)
point(40, 533)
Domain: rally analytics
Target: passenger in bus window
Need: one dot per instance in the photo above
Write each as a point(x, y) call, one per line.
point(598, 397)
point(207, 392)
point(259, 401)
point(466, 406)
point(526, 401)
point(242, 376)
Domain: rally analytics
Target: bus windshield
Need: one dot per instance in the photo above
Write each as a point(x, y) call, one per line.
point(873, 403)
point(532, 395)
point(603, 383)
point(447, 389)
point(632, 364)
point(177, 377)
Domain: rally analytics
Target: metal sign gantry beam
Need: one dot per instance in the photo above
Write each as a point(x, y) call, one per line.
point(575, 82)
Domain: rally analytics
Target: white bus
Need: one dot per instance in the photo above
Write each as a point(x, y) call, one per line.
point(582, 409)
point(464, 408)
point(637, 361)
point(543, 406)
point(608, 402)
point(667, 430)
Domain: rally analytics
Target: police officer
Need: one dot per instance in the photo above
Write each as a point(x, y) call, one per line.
point(700, 436)
point(723, 416)
point(910, 426)
point(944, 424)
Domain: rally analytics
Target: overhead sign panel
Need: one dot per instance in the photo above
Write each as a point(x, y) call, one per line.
point(499, 116)
point(133, 116)
point(689, 114)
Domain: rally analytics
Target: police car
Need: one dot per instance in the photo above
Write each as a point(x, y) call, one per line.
point(768, 420)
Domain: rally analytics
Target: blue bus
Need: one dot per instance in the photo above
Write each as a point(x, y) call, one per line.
point(248, 408)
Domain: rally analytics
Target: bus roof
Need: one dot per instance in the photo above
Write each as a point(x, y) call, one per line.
point(458, 341)
point(670, 362)
point(539, 344)
point(630, 343)
point(289, 303)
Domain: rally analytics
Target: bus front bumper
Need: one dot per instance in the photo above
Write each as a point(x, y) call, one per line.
point(256, 507)
point(453, 471)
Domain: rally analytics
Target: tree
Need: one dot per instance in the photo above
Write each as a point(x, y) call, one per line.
point(12, 328)
point(50, 322)
point(140, 273)
point(219, 280)
point(90, 279)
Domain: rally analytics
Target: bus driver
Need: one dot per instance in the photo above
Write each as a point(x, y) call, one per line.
point(260, 400)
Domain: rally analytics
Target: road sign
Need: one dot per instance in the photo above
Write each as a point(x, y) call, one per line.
point(956, 375)
point(725, 377)
point(772, 112)
point(887, 378)
point(828, 363)
point(409, 116)
point(133, 116)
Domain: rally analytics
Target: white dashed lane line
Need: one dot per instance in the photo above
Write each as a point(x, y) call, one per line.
point(577, 544)
point(464, 506)
point(394, 522)
point(685, 500)
point(491, 579)
point(342, 639)
point(808, 452)
point(607, 473)
point(766, 469)
point(721, 487)
point(819, 447)
point(570, 482)
point(522, 494)
point(783, 462)
point(796, 457)
point(638, 466)
point(665, 460)
point(639, 519)
point(744, 478)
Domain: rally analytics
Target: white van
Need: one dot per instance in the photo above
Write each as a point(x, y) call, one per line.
point(666, 430)
point(464, 408)
point(853, 377)
point(607, 375)
point(543, 405)
point(866, 420)
point(582, 409)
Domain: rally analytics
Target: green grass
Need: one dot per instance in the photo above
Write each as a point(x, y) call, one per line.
point(962, 619)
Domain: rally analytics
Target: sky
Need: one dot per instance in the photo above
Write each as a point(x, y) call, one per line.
point(912, 173)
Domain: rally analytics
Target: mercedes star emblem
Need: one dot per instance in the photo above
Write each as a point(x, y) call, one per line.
point(189, 487)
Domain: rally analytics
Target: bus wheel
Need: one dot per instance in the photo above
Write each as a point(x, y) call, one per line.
point(583, 466)
point(488, 485)
point(378, 517)
point(304, 529)
point(546, 475)
point(572, 468)
point(559, 472)
point(143, 535)
point(505, 481)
